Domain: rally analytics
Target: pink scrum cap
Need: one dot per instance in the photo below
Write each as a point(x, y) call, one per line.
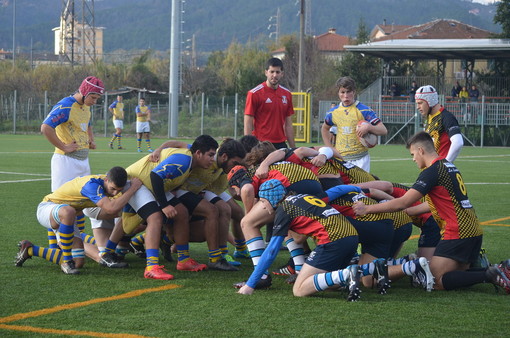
point(90, 85)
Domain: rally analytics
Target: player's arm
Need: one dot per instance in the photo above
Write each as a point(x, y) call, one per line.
point(385, 186)
point(378, 129)
point(289, 131)
point(114, 206)
point(154, 156)
point(51, 135)
point(148, 112)
point(248, 124)
point(326, 126)
point(92, 143)
point(275, 156)
point(418, 209)
point(267, 258)
point(397, 204)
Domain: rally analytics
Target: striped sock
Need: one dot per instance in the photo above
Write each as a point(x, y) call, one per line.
point(152, 257)
point(368, 269)
point(224, 249)
point(297, 253)
point(119, 138)
point(148, 143)
point(66, 233)
point(49, 254)
point(78, 253)
point(240, 244)
point(138, 239)
point(408, 268)
point(52, 240)
point(80, 222)
point(214, 255)
point(323, 281)
point(182, 252)
point(256, 245)
point(87, 238)
point(139, 141)
point(110, 247)
point(114, 137)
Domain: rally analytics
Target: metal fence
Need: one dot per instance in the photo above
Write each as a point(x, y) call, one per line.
point(486, 123)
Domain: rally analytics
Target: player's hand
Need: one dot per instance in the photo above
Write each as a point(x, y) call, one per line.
point(362, 129)
point(246, 290)
point(359, 208)
point(69, 148)
point(154, 156)
point(169, 211)
point(136, 183)
point(262, 171)
point(319, 160)
point(92, 145)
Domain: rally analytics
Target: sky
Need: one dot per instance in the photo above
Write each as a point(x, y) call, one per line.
point(485, 1)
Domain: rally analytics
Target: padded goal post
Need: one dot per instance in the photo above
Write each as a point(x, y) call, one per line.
point(301, 119)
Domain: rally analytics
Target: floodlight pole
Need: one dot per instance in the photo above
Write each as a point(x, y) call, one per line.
point(175, 52)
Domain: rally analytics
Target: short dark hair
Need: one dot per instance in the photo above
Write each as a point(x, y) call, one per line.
point(203, 143)
point(423, 139)
point(118, 176)
point(248, 141)
point(346, 82)
point(232, 148)
point(274, 62)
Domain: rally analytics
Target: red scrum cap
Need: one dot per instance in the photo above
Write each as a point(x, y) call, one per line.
point(91, 85)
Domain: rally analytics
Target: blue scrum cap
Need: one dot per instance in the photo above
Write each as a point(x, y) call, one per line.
point(273, 191)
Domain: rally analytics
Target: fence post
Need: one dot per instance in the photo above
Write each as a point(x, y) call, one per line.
point(235, 116)
point(202, 118)
point(105, 110)
point(482, 123)
point(14, 112)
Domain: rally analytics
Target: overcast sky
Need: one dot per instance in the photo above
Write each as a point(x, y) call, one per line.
point(485, 1)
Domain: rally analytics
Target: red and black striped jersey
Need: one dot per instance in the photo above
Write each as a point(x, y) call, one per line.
point(441, 126)
point(446, 193)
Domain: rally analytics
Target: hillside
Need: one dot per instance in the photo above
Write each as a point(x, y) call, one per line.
point(134, 24)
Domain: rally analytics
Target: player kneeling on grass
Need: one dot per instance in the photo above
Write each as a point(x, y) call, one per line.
point(58, 210)
point(448, 201)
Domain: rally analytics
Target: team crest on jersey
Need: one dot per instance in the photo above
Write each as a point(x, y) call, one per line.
point(269, 100)
point(284, 99)
point(84, 126)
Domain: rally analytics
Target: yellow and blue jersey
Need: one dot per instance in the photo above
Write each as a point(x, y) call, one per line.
point(80, 193)
point(173, 167)
point(346, 119)
point(70, 121)
point(118, 110)
point(201, 178)
point(142, 109)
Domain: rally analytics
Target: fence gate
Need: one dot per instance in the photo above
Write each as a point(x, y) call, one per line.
point(301, 120)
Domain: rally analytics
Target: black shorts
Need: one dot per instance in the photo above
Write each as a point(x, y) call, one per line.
point(333, 256)
point(430, 234)
point(375, 236)
point(190, 201)
point(400, 235)
point(309, 187)
point(330, 182)
point(465, 250)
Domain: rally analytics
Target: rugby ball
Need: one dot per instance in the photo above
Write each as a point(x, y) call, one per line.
point(368, 140)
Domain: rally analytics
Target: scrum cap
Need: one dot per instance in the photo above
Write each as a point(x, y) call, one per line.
point(273, 191)
point(428, 94)
point(91, 85)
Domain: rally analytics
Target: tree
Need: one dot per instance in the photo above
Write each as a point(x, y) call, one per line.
point(363, 69)
point(502, 17)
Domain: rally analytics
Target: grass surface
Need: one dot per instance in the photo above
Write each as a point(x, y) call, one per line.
point(104, 302)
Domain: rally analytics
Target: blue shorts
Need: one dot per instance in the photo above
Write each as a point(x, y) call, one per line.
point(375, 236)
point(400, 235)
point(430, 234)
point(334, 255)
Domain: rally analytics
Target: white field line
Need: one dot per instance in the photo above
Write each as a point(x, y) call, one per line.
point(30, 180)
point(27, 174)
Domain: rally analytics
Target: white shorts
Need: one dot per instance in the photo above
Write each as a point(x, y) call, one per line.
point(93, 213)
point(209, 195)
point(118, 124)
point(143, 127)
point(65, 168)
point(141, 197)
point(363, 163)
point(48, 210)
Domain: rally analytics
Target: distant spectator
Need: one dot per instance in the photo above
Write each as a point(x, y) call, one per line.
point(412, 91)
point(458, 88)
point(463, 95)
point(454, 92)
point(395, 90)
point(474, 93)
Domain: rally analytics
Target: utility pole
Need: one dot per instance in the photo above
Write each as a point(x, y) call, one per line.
point(301, 45)
point(14, 33)
point(276, 25)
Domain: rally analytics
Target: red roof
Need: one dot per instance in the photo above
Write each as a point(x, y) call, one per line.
point(331, 42)
point(438, 29)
